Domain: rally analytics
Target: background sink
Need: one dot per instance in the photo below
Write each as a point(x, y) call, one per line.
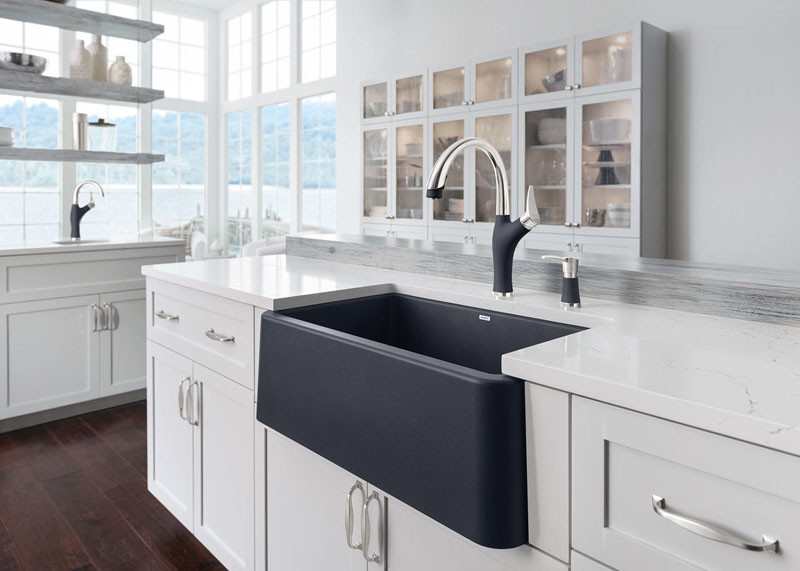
point(407, 394)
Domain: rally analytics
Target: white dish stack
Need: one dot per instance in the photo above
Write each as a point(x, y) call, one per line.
point(619, 215)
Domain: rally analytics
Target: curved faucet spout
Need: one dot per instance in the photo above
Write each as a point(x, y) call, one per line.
point(438, 176)
point(81, 185)
point(78, 212)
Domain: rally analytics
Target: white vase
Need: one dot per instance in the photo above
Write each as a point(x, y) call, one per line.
point(99, 55)
point(120, 72)
point(80, 62)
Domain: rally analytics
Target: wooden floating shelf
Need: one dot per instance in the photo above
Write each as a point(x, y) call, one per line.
point(72, 156)
point(23, 81)
point(79, 20)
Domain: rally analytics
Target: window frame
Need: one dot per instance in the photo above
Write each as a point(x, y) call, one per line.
point(293, 95)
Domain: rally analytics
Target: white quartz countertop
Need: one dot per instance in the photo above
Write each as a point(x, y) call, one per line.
point(736, 378)
point(40, 247)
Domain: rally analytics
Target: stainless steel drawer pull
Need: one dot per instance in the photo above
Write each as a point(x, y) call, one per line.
point(182, 398)
point(711, 532)
point(161, 314)
point(375, 557)
point(211, 334)
point(348, 516)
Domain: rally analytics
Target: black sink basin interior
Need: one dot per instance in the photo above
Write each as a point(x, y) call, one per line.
point(407, 394)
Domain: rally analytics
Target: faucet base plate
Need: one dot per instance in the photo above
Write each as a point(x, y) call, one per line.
point(504, 295)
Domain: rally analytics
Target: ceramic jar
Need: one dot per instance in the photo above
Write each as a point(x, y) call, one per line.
point(80, 62)
point(99, 55)
point(120, 72)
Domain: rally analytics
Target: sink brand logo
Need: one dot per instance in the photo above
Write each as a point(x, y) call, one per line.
point(484, 318)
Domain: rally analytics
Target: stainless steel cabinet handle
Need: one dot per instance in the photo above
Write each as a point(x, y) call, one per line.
point(181, 398)
point(709, 531)
point(94, 309)
point(375, 557)
point(211, 334)
point(161, 314)
point(192, 407)
point(107, 317)
point(348, 515)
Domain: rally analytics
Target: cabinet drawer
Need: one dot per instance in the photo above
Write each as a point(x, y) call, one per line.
point(622, 459)
point(210, 330)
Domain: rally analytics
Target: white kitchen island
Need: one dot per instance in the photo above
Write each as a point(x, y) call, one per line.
point(701, 411)
point(72, 325)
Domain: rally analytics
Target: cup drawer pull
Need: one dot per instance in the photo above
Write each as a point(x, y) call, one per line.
point(211, 334)
point(709, 531)
point(161, 314)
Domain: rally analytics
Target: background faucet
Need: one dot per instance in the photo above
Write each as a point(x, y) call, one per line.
point(78, 212)
point(507, 234)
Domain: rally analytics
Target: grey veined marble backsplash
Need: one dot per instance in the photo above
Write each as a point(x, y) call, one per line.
point(729, 291)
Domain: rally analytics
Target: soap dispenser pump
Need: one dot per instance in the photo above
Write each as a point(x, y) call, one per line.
point(570, 293)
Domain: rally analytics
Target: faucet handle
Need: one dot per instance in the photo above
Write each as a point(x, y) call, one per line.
point(568, 265)
point(531, 217)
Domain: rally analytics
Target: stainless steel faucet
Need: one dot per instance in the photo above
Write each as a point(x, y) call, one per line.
point(507, 234)
point(78, 212)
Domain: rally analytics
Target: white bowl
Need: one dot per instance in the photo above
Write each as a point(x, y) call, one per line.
point(609, 130)
point(552, 130)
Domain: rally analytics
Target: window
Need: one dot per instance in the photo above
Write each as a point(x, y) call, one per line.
point(117, 214)
point(179, 189)
point(31, 39)
point(29, 191)
point(179, 57)
point(275, 34)
point(276, 206)
point(116, 46)
point(319, 162)
point(240, 81)
point(240, 189)
point(318, 25)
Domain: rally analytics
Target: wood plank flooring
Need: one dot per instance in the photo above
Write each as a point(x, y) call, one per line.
point(73, 495)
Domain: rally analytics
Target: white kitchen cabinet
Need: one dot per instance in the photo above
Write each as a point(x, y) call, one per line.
point(547, 70)
point(223, 467)
point(49, 353)
point(200, 453)
point(306, 500)
point(493, 81)
point(170, 436)
point(401, 96)
point(123, 342)
point(582, 563)
point(449, 88)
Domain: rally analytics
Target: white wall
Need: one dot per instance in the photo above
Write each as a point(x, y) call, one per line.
point(734, 112)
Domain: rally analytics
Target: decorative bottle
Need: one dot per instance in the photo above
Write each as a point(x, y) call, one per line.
point(80, 62)
point(99, 59)
point(120, 72)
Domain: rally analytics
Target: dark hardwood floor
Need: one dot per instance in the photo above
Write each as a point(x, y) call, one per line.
point(73, 495)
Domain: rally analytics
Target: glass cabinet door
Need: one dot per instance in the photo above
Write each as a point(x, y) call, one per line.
point(494, 80)
point(449, 88)
point(547, 163)
point(408, 95)
point(409, 181)
point(375, 99)
point(498, 130)
point(376, 165)
point(451, 206)
point(546, 70)
point(607, 61)
point(606, 159)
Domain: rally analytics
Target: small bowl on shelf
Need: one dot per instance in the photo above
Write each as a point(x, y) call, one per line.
point(16, 61)
point(556, 81)
point(609, 130)
point(552, 131)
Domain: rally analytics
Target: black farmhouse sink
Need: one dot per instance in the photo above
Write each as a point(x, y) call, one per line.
point(407, 394)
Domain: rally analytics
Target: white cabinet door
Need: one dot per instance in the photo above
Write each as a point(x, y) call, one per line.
point(48, 354)
point(223, 412)
point(411, 541)
point(169, 433)
point(628, 247)
point(306, 501)
point(123, 342)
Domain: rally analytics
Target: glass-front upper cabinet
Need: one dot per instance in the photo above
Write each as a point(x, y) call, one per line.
point(547, 70)
point(609, 61)
point(375, 173)
point(445, 132)
point(375, 100)
point(546, 159)
point(607, 197)
point(494, 82)
point(499, 128)
point(401, 96)
point(448, 89)
point(409, 171)
point(409, 96)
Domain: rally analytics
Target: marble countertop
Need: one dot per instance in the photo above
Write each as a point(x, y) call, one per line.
point(732, 377)
point(40, 247)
